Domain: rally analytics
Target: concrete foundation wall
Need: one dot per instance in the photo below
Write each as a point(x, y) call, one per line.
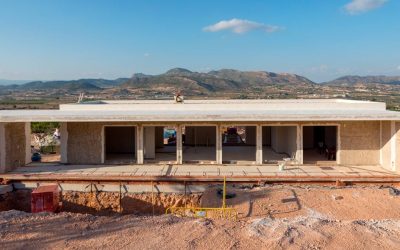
point(360, 143)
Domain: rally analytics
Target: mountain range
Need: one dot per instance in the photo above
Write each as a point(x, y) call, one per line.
point(198, 82)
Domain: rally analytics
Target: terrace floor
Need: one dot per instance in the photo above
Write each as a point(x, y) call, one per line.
point(169, 172)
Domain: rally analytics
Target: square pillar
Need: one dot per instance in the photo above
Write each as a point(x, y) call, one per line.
point(259, 146)
point(64, 142)
point(139, 144)
point(179, 145)
point(218, 145)
point(388, 142)
point(299, 144)
point(393, 150)
point(28, 153)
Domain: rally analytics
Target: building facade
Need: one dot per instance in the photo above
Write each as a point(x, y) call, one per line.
point(215, 132)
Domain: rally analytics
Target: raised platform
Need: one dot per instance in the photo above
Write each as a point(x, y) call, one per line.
point(198, 173)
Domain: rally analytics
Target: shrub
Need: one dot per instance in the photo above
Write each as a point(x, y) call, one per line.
point(44, 127)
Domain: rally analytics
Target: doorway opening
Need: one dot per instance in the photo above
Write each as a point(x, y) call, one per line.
point(279, 143)
point(45, 141)
point(199, 144)
point(120, 144)
point(319, 144)
point(239, 145)
point(160, 144)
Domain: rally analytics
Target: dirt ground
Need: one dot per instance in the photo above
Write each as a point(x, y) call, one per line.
point(270, 217)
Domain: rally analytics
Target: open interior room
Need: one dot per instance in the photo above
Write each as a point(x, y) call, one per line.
point(279, 143)
point(239, 144)
point(120, 144)
point(160, 144)
point(319, 144)
point(199, 144)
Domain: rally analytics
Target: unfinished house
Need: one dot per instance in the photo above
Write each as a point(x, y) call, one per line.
point(198, 140)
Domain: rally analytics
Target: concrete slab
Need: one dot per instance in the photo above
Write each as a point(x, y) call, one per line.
point(249, 172)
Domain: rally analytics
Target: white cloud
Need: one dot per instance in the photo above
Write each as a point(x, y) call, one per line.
point(146, 54)
point(398, 67)
point(241, 26)
point(360, 6)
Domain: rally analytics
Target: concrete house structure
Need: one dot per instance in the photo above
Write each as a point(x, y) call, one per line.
point(205, 137)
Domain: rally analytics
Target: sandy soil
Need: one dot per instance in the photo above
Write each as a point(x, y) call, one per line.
point(272, 217)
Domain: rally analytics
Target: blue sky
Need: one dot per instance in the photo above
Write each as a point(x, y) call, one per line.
point(320, 39)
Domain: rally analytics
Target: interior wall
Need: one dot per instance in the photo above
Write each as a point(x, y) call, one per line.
point(283, 139)
point(266, 136)
point(120, 140)
point(200, 135)
point(330, 136)
point(159, 137)
point(251, 135)
point(308, 137)
point(149, 143)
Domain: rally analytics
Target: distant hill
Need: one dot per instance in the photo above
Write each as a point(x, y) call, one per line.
point(365, 80)
point(73, 85)
point(216, 80)
point(12, 82)
point(225, 82)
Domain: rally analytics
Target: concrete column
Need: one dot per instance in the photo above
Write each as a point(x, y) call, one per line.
point(388, 145)
point(28, 155)
point(64, 142)
point(179, 146)
point(259, 146)
point(218, 144)
point(338, 146)
point(2, 148)
point(393, 145)
point(139, 144)
point(299, 144)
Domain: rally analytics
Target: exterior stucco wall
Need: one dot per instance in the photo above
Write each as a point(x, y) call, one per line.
point(15, 145)
point(360, 143)
point(85, 143)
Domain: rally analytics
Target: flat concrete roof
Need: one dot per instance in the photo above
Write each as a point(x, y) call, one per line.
point(209, 111)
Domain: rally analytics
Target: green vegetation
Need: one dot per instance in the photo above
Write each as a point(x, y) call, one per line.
point(44, 127)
